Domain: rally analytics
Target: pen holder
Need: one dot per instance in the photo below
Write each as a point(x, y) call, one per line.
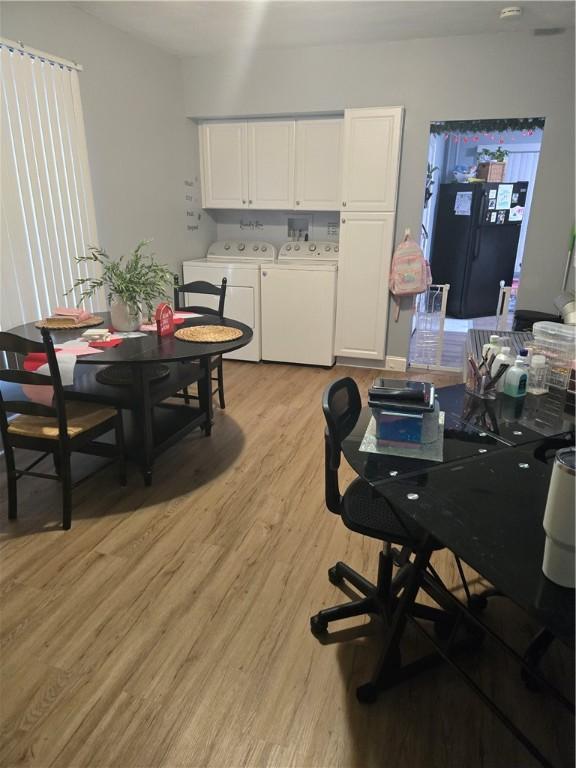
point(476, 384)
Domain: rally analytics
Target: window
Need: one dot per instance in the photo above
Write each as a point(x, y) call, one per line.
point(47, 206)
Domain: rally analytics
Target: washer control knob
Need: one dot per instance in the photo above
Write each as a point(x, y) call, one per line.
point(227, 247)
point(241, 246)
point(327, 248)
point(312, 247)
point(336, 249)
point(263, 249)
point(254, 247)
point(296, 247)
point(288, 247)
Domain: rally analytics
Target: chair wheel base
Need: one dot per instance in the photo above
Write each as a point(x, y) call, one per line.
point(367, 693)
point(334, 576)
point(318, 626)
point(478, 603)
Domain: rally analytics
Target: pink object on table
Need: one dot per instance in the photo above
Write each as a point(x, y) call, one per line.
point(79, 314)
point(148, 327)
point(185, 315)
point(105, 344)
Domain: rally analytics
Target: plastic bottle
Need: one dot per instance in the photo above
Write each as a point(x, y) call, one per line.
point(491, 347)
point(502, 358)
point(538, 376)
point(516, 378)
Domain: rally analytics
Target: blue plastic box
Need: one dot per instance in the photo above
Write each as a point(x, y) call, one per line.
point(398, 427)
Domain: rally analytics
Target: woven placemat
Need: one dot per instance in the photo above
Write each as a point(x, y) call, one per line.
point(207, 333)
point(88, 323)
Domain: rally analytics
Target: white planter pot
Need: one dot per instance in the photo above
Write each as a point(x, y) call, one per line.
point(123, 319)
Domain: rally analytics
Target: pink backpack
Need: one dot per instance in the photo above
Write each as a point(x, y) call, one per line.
point(410, 272)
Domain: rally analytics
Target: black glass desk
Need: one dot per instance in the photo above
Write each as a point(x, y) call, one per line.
point(485, 502)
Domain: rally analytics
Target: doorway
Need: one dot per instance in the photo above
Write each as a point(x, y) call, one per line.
point(478, 190)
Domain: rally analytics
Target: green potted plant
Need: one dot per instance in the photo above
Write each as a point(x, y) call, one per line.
point(133, 284)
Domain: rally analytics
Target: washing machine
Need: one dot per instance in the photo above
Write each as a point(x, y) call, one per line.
point(239, 261)
point(299, 304)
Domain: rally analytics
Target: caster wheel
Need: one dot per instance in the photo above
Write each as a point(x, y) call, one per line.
point(333, 575)
point(318, 626)
point(367, 693)
point(478, 603)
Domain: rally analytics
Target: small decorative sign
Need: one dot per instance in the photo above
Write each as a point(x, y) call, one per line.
point(164, 320)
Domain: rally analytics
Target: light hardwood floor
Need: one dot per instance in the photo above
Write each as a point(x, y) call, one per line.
point(169, 626)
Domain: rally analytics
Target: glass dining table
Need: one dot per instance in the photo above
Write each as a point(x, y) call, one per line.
point(141, 374)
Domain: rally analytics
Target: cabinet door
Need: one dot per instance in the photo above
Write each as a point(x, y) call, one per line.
point(366, 242)
point(372, 139)
point(271, 164)
point(318, 164)
point(224, 165)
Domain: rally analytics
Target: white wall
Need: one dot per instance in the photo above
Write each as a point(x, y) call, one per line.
point(138, 138)
point(459, 78)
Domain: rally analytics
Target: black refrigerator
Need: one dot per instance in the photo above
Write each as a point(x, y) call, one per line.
point(474, 243)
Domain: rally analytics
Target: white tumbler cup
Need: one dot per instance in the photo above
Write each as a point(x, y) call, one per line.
point(559, 550)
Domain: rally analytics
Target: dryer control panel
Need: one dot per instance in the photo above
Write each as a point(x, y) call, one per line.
point(241, 250)
point(312, 250)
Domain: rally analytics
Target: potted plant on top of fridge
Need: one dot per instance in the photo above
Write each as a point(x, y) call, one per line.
point(133, 284)
point(491, 164)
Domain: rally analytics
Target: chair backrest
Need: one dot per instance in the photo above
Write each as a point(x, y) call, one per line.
point(19, 403)
point(341, 404)
point(200, 287)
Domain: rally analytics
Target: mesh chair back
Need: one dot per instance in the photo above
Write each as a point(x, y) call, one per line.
point(341, 404)
point(200, 287)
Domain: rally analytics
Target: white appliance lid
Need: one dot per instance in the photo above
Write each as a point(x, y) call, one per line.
point(310, 266)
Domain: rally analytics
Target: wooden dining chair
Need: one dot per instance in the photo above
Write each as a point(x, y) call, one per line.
point(206, 289)
point(35, 415)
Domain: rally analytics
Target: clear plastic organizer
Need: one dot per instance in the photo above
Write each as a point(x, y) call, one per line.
point(558, 343)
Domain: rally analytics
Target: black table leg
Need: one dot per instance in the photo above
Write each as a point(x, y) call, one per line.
point(205, 395)
point(143, 419)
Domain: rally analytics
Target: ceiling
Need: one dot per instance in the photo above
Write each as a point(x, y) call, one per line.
point(204, 27)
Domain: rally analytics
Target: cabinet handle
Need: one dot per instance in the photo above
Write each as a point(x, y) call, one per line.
point(249, 202)
point(344, 204)
point(243, 202)
point(297, 202)
point(343, 221)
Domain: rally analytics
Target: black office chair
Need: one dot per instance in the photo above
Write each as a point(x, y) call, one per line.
point(365, 511)
point(60, 428)
point(207, 289)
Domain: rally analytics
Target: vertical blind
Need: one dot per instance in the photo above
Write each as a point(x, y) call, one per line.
point(47, 204)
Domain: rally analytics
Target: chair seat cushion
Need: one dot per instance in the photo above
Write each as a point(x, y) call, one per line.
point(367, 512)
point(80, 418)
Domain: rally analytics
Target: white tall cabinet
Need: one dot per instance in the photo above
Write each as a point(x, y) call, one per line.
point(366, 241)
point(372, 142)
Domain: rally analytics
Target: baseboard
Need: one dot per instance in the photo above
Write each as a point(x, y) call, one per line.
point(389, 364)
point(396, 363)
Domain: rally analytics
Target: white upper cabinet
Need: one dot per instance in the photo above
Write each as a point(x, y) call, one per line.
point(224, 166)
point(318, 164)
point(366, 242)
point(372, 142)
point(271, 164)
